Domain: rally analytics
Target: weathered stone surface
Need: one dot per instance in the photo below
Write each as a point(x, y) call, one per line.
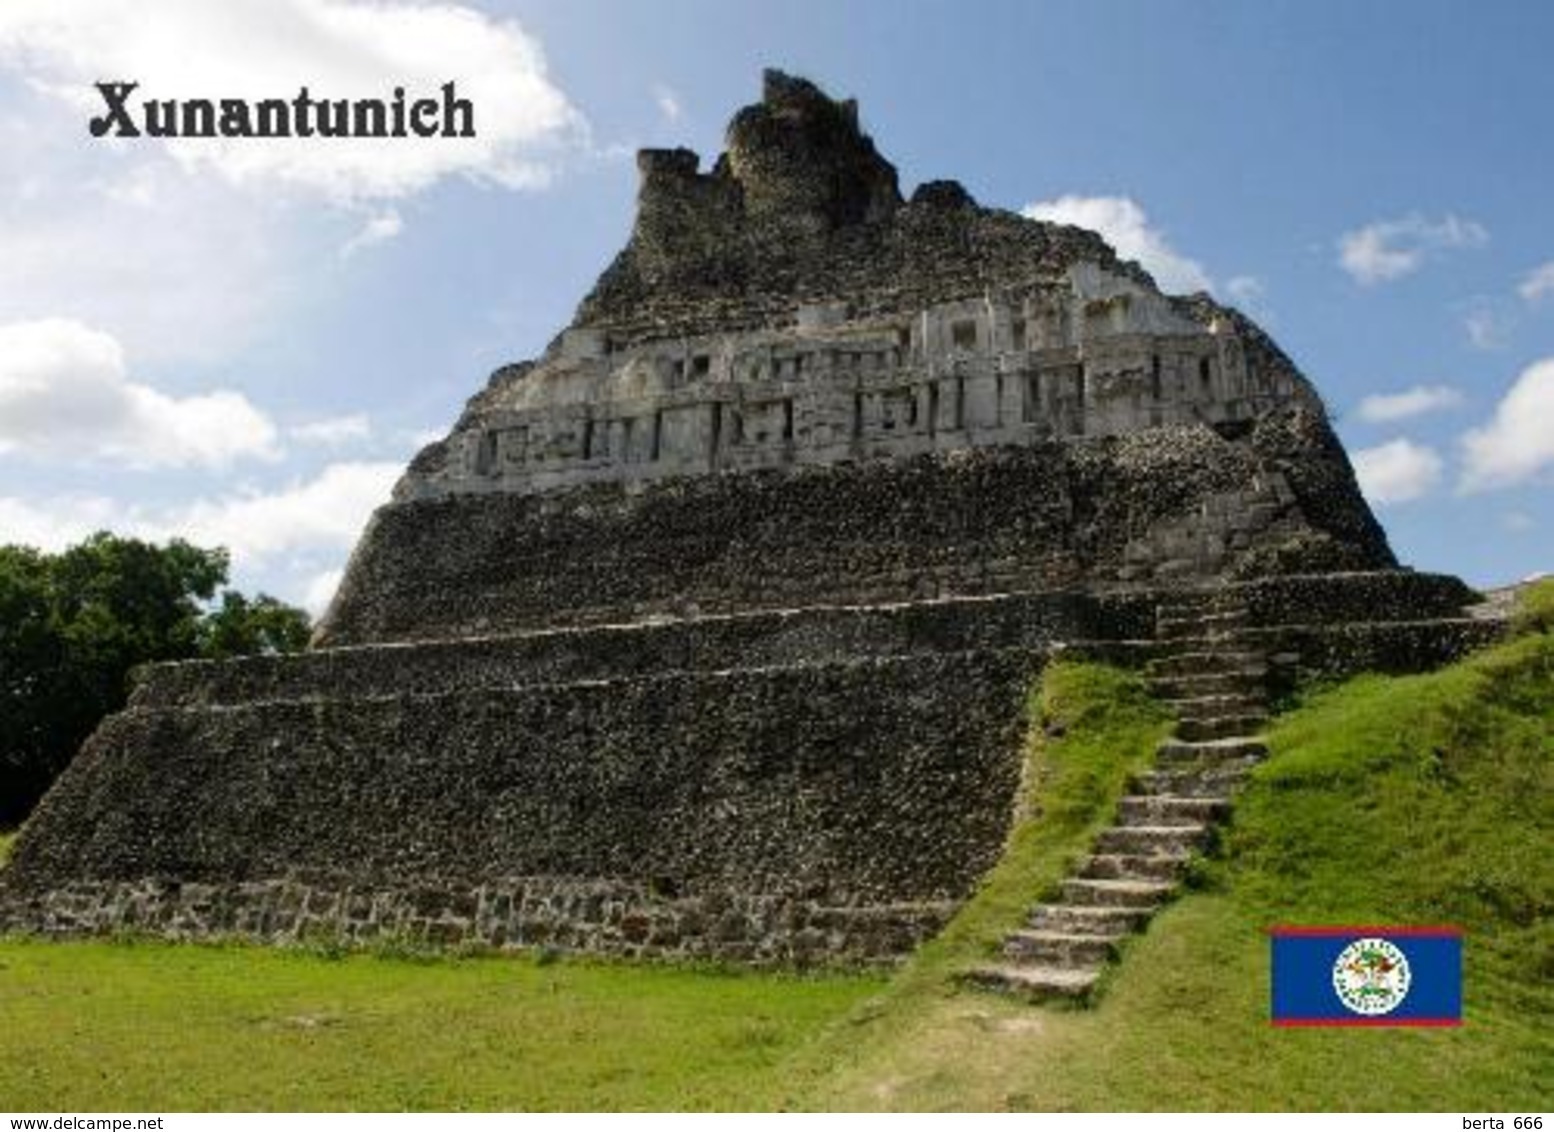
point(1109, 512)
point(708, 632)
point(606, 916)
point(1352, 598)
point(1031, 621)
point(856, 787)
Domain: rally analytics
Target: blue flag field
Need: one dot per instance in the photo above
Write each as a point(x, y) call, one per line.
point(1366, 975)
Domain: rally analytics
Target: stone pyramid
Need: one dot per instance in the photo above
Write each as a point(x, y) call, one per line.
point(710, 631)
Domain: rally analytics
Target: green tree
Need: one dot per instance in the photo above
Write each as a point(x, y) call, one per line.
point(243, 627)
point(31, 669)
point(73, 625)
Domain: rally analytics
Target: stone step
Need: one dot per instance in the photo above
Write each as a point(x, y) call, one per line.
point(1036, 983)
point(1210, 751)
point(1166, 809)
point(1155, 840)
point(1134, 866)
point(1087, 919)
point(1213, 641)
point(1060, 949)
point(1137, 864)
point(1118, 893)
point(1215, 624)
point(1188, 605)
point(1211, 705)
point(1199, 728)
point(1170, 624)
point(656, 645)
point(1248, 681)
point(1216, 781)
point(1198, 661)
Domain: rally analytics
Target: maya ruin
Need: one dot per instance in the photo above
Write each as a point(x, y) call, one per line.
point(709, 632)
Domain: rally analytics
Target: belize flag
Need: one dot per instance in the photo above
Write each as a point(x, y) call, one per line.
point(1366, 976)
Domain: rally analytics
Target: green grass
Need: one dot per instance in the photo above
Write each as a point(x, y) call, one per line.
point(101, 1026)
point(1535, 608)
point(1417, 799)
point(1421, 799)
point(5, 847)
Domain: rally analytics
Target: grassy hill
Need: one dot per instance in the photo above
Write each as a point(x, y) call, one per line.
point(1418, 799)
point(1423, 799)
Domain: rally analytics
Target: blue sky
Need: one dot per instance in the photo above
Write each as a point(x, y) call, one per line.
point(243, 343)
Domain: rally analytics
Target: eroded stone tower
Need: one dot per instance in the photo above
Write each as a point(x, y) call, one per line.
point(710, 630)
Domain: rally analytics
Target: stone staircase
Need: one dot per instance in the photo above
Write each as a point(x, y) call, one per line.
point(1217, 685)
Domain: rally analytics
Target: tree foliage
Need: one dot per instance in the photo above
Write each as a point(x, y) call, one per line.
point(242, 626)
point(74, 624)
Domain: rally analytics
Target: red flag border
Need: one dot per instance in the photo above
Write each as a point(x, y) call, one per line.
point(1404, 930)
point(1368, 1023)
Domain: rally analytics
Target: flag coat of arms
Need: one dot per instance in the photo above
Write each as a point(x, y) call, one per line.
point(1366, 975)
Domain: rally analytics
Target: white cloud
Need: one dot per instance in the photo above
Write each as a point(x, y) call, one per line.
point(334, 432)
point(1487, 323)
point(176, 267)
point(1518, 441)
point(418, 439)
point(65, 396)
point(1126, 227)
point(1247, 290)
point(320, 591)
point(1380, 408)
point(1518, 522)
point(56, 523)
point(324, 513)
point(139, 187)
point(1539, 283)
point(1397, 472)
point(337, 48)
point(379, 227)
point(1391, 249)
point(668, 103)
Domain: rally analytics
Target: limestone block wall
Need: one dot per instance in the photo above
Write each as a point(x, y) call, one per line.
point(1345, 597)
point(697, 788)
point(833, 810)
point(1397, 616)
point(1032, 621)
point(1097, 357)
point(1338, 650)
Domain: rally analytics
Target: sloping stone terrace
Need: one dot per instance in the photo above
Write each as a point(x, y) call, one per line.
point(739, 813)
